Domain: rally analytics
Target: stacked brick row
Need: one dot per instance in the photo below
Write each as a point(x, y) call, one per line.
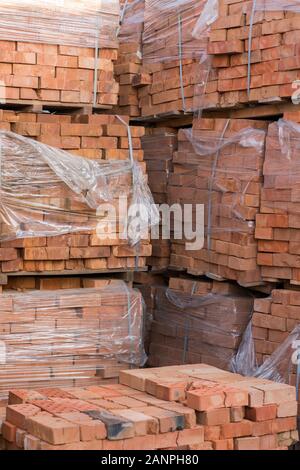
point(199, 408)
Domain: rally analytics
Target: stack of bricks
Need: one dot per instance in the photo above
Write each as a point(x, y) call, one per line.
point(171, 56)
point(83, 244)
point(198, 321)
point(274, 319)
point(96, 137)
point(219, 164)
point(50, 58)
point(274, 52)
point(70, 337)
point(128, 66)
point(159, 145)
point(184, 408)
point(277, 225)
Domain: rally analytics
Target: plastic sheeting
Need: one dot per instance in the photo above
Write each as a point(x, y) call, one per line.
point(132, 21)
point(46, 191)
point(91, 23)
point(69, 336)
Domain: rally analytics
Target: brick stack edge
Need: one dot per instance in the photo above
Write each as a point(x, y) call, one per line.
point(176, 408)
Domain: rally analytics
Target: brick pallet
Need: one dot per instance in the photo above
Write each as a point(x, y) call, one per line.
point(159, 145)
point(198, 321)
point(277, 224)
point(51, 58)
point(274, 53)
point(70, 337)
point(129, 62)
point(65, 211)
point(274, 319)
point(219, 164)
point(184, 408)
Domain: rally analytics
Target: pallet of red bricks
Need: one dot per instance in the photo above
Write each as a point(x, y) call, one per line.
point(198, 321)
point(174, 53)
point(50, 218)
point(70, 337)
point(278, 223)
point(159, 145)
point(219, 164)
point(173, 408)
point(128, 67)
point(59, 52)
point(254, 50)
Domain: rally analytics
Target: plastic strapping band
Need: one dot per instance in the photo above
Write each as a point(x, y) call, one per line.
point(213, 174)
point(298, 377)
point(129, 322)
point(250, 47)
point(96, 65)
point(186, 340)
point(180, 60)
point(122, 17)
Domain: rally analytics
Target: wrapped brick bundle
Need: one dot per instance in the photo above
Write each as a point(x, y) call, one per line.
point(129, 64)
point(52, 207)
point(96, 137)
point(174, 54)
point(69, 337)
point(219, 165)
point(255, 52)
point(198, 321)
point(159, 145)
point(277, 225)
point(221, 411)
point(59, 53)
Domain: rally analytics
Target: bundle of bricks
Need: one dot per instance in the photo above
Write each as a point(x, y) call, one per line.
point(58, 54)
point(37, 200)
point(198, 321)
point(274, 62)
point(183, 408)
point(219, 164)
point(274, 319)
point(159, 145)
point(96, 137)
point(128, 66)
point(70, 337)
point(277, 225)
point(171, 56)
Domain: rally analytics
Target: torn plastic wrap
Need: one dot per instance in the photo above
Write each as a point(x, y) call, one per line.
point(47, 192)
point(132, 21)
point(279, 219)
point(219, 166)
point(192, 328)
point(70, 22)
point(69, 337)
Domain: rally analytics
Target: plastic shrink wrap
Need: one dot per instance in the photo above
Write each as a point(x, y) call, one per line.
point(47, 192)
point(219, 165)
point(277, 225)
point(69, 337)
point(198, 322)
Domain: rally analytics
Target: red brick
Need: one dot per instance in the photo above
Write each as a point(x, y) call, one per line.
point(232, 430)
point(263, 413)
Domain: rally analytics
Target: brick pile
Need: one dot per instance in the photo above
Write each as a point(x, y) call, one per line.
point(159, 145)
point(70, 337)
point(50, 58)
point(277, 225)
point(168, 46)
point(219, 164)
point(65, 227)
point(128, 67)
point(96, 137)
point(274, 319)
point(198, 321)
point(274, 53)
point(184, 408)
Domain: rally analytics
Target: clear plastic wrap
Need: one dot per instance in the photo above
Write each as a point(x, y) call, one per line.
point(132, 21)
point(69, 337)
point(194, 328)
point(91, 23)
point(46, 191)
point(219, 165)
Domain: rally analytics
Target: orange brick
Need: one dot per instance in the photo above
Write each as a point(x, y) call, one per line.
point(232, 430)
point(263, 413)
